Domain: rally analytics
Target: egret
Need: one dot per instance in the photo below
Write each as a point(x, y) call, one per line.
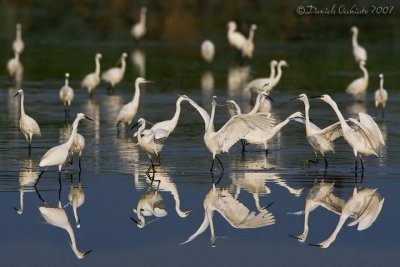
point(237, 214)
point(115, 75)
point(321, 140)
point(235, 38)
point(77, 147)
point(151, 203)
point(257, 85)
point(207, 50)
point(92, 80)
point(233, 130)
point(381, 96)
point(18, 44)
point(27, 179)
point(359, 52)
point(56, 156)
point(358, 87)
point(363, 207)
point(66, 96)
point(363, 136)
point(129, 110)
point(28, 126)
point(248, 47)
point(76, 199)
point(139, 29)
point(15, 68)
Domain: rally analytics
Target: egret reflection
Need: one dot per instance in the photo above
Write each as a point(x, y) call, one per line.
point(27, 180)
point(138, 58)
point(207, 83)
point(76, 199)
point(237, 79)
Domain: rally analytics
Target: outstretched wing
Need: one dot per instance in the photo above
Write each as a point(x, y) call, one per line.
point(365, 133)
point(368, 122)
point(303, 121)
point(332, 132)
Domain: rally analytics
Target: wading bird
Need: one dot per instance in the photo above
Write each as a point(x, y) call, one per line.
point(235, 38)
point(237, 214)
point(151, 203)
point(77, 147)
point(18, 44)
point(363, 136)
point(207, 50)
point(381, 96)
point(359, 52)
point(129, 110)
point(92, 80)
point(28, 126)
point(233, 130)
point(358, 87)
point(76, 199)
point(15, 68)
point(321, 140)
point(115, 75)
point(139, 29)
point(248, 47)
point(56, 156)
point(255, 86)
point(66, 96)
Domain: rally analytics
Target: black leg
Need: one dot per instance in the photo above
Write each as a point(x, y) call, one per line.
point(362, 165)
point(29, 148)
point(80, 163)
point(212, 166)
point(326, 163)
point(355, 166)
point(222, 166)
point(266, 152)
point(40, 176)
point(243, 146)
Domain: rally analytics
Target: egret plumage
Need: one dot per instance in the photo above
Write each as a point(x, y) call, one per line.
point(77, 147)
point(15, 68)
point(321, 140)
point(359, 52)
point(139, 29)
point(27, 179)
point(28, 126)
point(255, 86)
point(129, 110)
point(92, 80)
point(115, 75)
point(248, 47)
point(235, 38)
point(76, 199)
point(18, 44)
point(364, 135)
point(66, 95)
point(207, 50)
point(235, 129)
point(358, 87)
point(381, 96)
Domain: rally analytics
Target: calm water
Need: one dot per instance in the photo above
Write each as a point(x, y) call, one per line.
point(113, 175)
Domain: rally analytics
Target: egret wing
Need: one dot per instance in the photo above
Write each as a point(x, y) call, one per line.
point(368, 122)
point(332, 132)
point(362, 130)
point(303, 121)
point(33, 126)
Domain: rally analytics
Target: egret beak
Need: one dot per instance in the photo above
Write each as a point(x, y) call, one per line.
point(269, 205)
point(267, 96)
point(86, 117)
point(87, 252)
point(133, 126)
point(296, 237)
point(297, 97)
point(315, 245)
point(147, 81)
point(316, 96)
point(16, 94)
point(137, 222)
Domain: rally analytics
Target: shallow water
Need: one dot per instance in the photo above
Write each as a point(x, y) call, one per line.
point(113, 176)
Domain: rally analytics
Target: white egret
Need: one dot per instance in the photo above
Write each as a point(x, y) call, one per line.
point(56, 156)
point(235, 38)
point(15, 68)
point(27, 179)
point(321, 140)
point(28, 126)
point(359, 52)
point(66, 95)
point(381, 96)
point(139, 29)
point(115, 75)
point(18, 44)
point(358, 87)
point(363, 136)
point(237, 214)
point(363, 207)
point(256, 85)
point(151, 203)
point(233, 130)
point(76, 199)
point(92, 80)
point(248, 47)
point(207, 50)
point(129, 110)
point(138, 58)
point(77, 147)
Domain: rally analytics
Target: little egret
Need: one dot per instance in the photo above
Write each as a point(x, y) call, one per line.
point(237, 214)
point(235, 38)
point(56, 156)
point(28, 126)
point(358, 87)
point(235, 129)
point(248, 47)
point(18, 44)
point(321, 140)
point(151, 203)
point(15, 68)
point(66, 96)
point(139, 29)
point(359, 52)
point(129, 110)
point(255, 86)
point(363, 136)
point(92, 80)
point(76, 199)
point(77, 147)
point(381, 96)
point(207, 50)
point(27, 179)
point(115, 75)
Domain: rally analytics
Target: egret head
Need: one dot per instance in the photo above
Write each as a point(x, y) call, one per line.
point(99, 56)
point(301, 97)
point(273, 63)
point(297, 114)
point(20, 92)
point(354, 29)
point(143, 9)
point(66, 75)
point(124, 55)
point(18, 26)
point(325, 98)
point(183, 97)
point(253, 27)
point(232, 25)
point(283, 63)
point(381, 76)
point(82, 116)
point(140, 80)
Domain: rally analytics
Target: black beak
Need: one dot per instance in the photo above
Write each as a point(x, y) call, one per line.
point(267, 96)
point(86, 117)
point(315, 245)
point(87, 252)
point(137, 223)
point(133, 126)
point(16, 94)
point(316, 96)
point(294, 98)
point(269, 205)
point(296, 237)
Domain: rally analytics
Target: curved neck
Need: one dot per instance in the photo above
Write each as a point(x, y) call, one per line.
point(143, 17)
point(278, 75)
point(73, 133)
point(381, 84)
point(354, 39)
point(75, 209)
point(19, 35)
point(306, 111)
point(97, 71)
point(175, 194)
point(202, 113)
point(280, 125)
point(338, 113)
point(66, 81)
point(175, 118)
point(364, 70)
point(210, 214)
point(16, 56)
point(272, 72)
point(251, 34)
point(210, 127)
point(139, 136)
point(123, 64)
point(257, 104)
point(136, 95)
point(22, 104)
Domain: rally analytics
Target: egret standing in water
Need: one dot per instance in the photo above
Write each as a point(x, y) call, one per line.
point(248, 47)
point(129, 110)
point(233, 130)
point(358, 87)
point(321, 140)
point(115, 75)
point(66, 96)
point(235, 38)
point(364, 136)
point(359, 52)
point(77, 147)
point(207, 50)
point(15, 68)
point(18, 44)
point(92, 80)
point(139, 29)
point(381, 96)
point(28, 126)
point(56, 156)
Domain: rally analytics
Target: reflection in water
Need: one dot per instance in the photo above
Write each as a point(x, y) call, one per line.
point(27, 180)
point(76, 199)
point(207, 83)
point(237, 79)
point(356, 107)
point(15, 68)
point(363, 206)
point(237, 214)
point(13, 105)
point(383, 149)
point(151, 203)
point(138, 58)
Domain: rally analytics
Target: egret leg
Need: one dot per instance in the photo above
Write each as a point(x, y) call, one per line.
point(266, 152)
point(29, 149)
point(362, 165)
point(222, 166)
point(355, 166)
point(40, 176)
point(326, 163)
point(71, 161)
point(212, 166)
point(80, 162)
point(117, 125)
